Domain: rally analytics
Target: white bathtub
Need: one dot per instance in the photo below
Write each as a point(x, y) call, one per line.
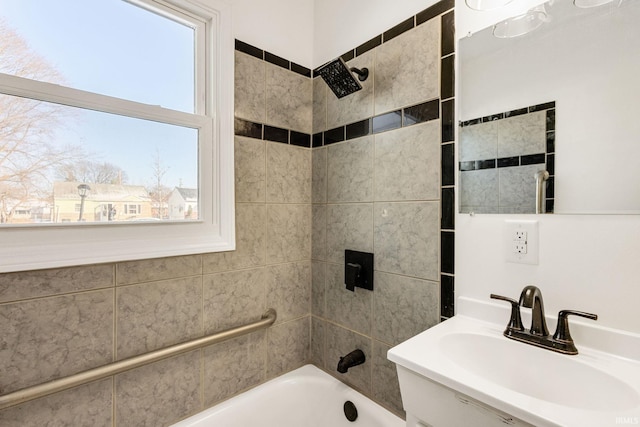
point(306, 397)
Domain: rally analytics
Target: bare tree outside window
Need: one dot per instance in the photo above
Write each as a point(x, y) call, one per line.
point(27, 154)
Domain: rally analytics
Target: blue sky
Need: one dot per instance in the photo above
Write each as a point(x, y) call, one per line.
point(115, 48)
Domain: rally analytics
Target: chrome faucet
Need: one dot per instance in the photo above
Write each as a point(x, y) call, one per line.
point(538, 334)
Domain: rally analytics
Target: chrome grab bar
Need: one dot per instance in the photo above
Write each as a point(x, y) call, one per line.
point(94, 374)
point(541, 177)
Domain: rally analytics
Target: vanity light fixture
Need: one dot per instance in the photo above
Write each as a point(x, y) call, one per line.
point(521, 24)
point(487, 4)
point(584, 4)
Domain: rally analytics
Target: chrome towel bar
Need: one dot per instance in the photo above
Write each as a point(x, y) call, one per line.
point(94, 374)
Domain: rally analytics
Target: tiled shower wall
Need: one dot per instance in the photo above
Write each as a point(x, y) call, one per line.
point(62, 321)
point(379, 186)
point(379, 179)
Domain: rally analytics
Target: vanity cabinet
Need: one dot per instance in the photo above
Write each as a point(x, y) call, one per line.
point(429, 404)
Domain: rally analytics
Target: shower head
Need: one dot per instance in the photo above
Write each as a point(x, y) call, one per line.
point(339, 78)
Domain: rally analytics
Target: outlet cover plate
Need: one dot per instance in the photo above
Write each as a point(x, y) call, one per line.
point(514, 231)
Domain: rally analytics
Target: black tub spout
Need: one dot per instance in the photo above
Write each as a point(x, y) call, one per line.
point(355, 358)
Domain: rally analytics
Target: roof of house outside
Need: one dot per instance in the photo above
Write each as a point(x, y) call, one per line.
point(188, 194)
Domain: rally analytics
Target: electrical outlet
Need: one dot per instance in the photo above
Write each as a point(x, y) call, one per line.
point(521, 242)
point(520, 248)
point(520, 235)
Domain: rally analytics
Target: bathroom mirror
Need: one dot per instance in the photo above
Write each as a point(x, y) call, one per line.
point(564, 97)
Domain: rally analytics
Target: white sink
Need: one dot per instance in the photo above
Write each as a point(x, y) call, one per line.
point(539, 373)
point(471, 357)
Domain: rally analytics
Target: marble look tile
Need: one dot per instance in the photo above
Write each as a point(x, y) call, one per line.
point(87, 405)
point(358, 105)
point(349, 226)
point(233, 298)
point(49, 338)
point(288, 346)
point(319, 105)
point(289, 289)
point(478, 142)
point(250, 87)
point(154, 315)
point(288, 233)
point(479, 189)
point(403, 307)
point(289, 103)
point(317, 341)
point(288, 174)
point(407, 68)
point(407, 163)
point(41, 283)
point(319, 230)
point(233, 366)
point(319, 175)
point(159, 394)
point(518, 187)
point(385, 385)
point(251, 237)
point(521, 135)
point(250, 169)
point(340, 342)
point(150, 270)
point(407, 238)
point(350, 309)
point(318, 285)
point(350, 171)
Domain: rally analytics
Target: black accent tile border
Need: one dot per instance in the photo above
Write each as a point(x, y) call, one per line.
point(368, 45)
point(249, 50)
point(300, 139)
point(247, 128)
point(358, 129)
point(392, 120)
point(317, 140)
point(254, 130)
point(271, 58)
point(334, 135)
point(447, 296)
point(420, 113)
point(276, 134)
point(448, 39)
point(448, 164)
point(448, 120)
point(533, 159)
point(506, 162)
point(433, 11)
point(447, 252)
point(447, 78)
point(517, 112)
point(402, 27)
point(448, 217)
point(276, 60)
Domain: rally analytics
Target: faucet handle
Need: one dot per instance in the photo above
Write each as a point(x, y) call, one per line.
point(562, 330)
point(515, 322)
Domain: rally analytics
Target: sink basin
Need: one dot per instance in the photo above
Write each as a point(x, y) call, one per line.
point(552, 377)
point(468, 359)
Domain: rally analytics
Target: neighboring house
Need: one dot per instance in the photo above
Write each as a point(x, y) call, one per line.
point(183, 203)
point(27, 212)
point(104, 202)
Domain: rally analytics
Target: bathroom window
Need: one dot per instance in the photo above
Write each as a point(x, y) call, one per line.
point(114, 103)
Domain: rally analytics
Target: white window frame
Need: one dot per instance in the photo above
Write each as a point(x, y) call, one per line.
point(38, 246)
